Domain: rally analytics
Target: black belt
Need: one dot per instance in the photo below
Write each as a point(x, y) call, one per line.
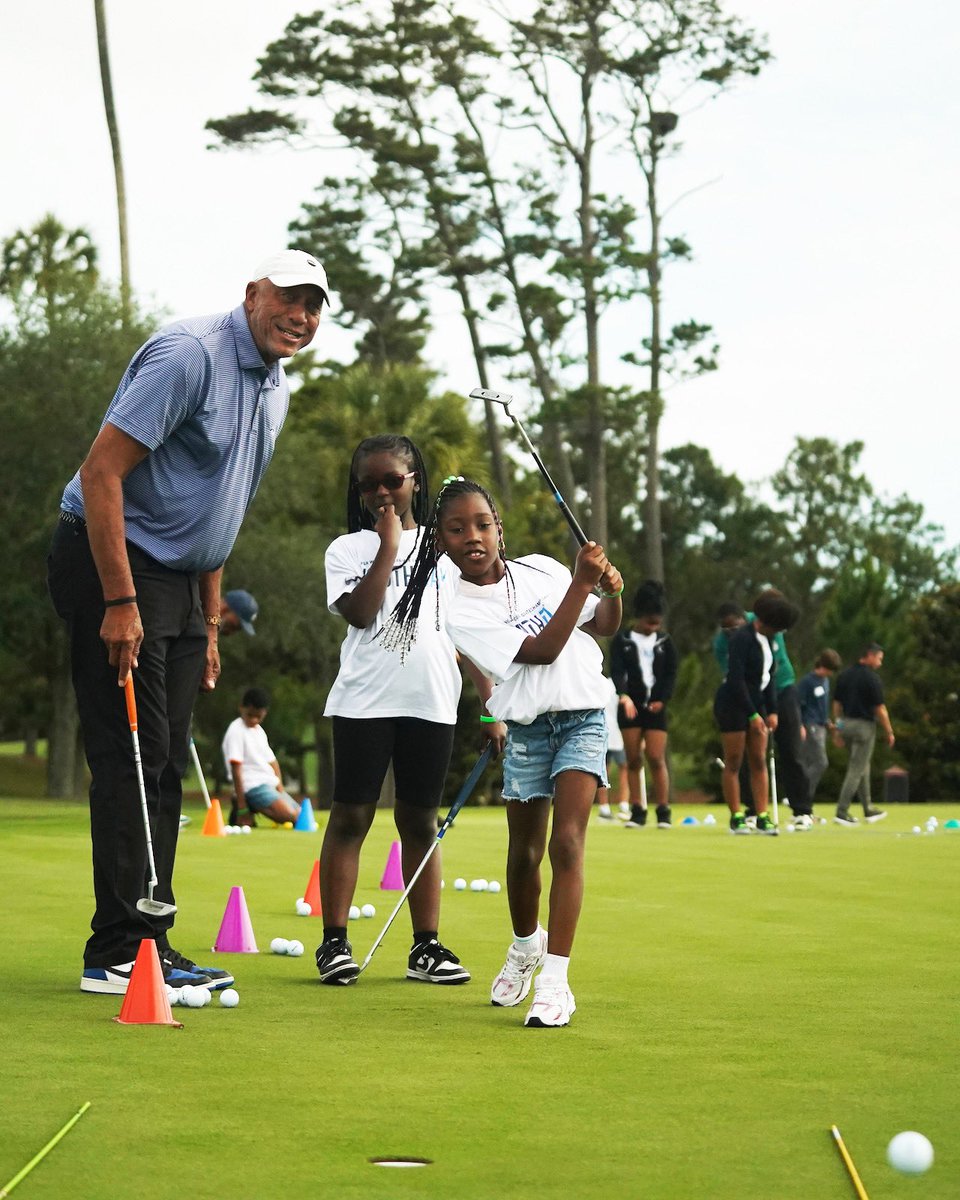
point(69, 518)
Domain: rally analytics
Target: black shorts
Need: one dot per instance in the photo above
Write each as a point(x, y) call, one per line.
point(645, 719)
point(729, 714)
point(364, 748)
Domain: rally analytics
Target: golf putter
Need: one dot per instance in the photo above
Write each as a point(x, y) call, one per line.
point(506, 400)
point(773, 787)
point(468, 785)
point(154, 908)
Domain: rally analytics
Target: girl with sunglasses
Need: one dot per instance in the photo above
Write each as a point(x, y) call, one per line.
point(526, 623)
point(384, 712)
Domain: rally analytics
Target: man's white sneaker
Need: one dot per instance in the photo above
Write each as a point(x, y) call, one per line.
point(553, 1004)
point(516, 975)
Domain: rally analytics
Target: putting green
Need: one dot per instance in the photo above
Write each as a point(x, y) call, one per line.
point(735, 997)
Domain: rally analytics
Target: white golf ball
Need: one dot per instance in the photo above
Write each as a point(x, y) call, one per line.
point(173, 996)
point(280, 946)
point(910, 1152)
point(227, 830)
point(917, 829)
point(354, 913)
point(791, 828)
point(192, 997)
point(368, 911)
point(460, 885)
point(295, 948)
point(478, 885)
point(243, 829)
point(229, 998)
point(493, 886)
point(303, 909)
point(205, 996)
point(709, 819)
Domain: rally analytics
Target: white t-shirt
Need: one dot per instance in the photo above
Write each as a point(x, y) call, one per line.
point(614, 732)
point(645, 643)
point(248, 745)
point(767, 660)
point(483, 629)
point(372, 682)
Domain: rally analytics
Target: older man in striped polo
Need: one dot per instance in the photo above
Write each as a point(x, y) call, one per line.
point(145, 527)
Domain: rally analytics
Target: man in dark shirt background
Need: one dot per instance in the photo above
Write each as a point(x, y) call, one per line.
point(858, 708)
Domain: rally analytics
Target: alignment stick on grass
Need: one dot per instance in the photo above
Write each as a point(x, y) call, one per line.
point(848, 1163)
point(8, 1188)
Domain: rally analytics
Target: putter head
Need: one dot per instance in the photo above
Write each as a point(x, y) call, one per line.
point(503, 398)
point(156, 908)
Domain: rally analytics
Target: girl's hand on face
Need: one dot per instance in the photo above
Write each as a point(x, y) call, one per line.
point(389, 526)
point(591, 564)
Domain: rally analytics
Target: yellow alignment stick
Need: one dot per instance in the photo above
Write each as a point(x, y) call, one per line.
point(848, 1162)
point(5, 1191)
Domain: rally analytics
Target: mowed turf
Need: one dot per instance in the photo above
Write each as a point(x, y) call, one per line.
point(735, 997)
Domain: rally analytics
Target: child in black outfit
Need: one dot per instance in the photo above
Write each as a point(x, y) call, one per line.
point(643, 666)
point(745, 706)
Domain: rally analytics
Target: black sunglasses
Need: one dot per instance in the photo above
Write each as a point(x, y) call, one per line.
point(392, 481)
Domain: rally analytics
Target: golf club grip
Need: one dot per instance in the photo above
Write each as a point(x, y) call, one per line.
point(468, 785)
point(131, 699)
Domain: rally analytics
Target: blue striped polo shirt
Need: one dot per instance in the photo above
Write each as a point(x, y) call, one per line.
point(199, 396)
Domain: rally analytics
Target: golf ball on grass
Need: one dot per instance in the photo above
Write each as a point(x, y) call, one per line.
point(303, 908)
point(279, 946)
point(368, 911)
point(294, 948)
point(229, 998)
point(354, 913)
point(493, 886)
point(173, 996)
point(459, 885)
point(478, 885)
point(910, 1152)
point(192, 997)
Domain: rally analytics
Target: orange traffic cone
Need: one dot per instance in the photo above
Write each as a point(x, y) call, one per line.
point(213, 822)
point(312, 895)
point(145, 1002)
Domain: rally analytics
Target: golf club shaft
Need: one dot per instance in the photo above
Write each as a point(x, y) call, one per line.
point(468, 785)
point(505, 399)
point(848, 1163)
point(25, 1171)
point(132, 719)
point(196, 762)
point(773, 785)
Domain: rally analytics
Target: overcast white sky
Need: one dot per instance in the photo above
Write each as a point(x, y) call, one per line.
point(826, 246)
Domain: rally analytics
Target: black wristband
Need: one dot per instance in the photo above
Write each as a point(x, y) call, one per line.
point(119, 600)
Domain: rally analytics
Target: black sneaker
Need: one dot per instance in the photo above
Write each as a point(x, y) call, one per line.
point(432, 962)
point(766, 824)
point(173, 960)
point(335, 961)
point(845, 819)
point(738, 823)
point(873, 815)
point(663, 816)
point(638, 818)
point(241, 816)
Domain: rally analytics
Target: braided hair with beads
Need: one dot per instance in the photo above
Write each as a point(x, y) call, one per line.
point(358, 515)
point(400, 629)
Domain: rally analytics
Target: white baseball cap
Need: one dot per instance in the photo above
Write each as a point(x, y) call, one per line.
point(289, 268)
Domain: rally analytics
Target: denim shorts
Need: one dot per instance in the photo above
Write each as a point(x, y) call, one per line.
point(261, 796)
point(554, 742)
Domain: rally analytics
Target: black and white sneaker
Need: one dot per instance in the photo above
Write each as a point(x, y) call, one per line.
point(173, 960)
point(638, 817)
point(845, 819)
point(872, 815)
point(663, 817)
point(432, 962)
point(335, 961)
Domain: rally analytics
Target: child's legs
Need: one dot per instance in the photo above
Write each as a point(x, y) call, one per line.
point(757, 758)
point(421, 756)
point(527, 828)
point(633, 748)
point(655, 748)
point(733, 746)
point(571, 813)
point(340, 858)
point(278, 806)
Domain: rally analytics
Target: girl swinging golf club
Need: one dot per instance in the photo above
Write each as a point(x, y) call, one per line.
point(526, 625)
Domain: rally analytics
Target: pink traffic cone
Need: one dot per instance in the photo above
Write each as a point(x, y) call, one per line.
point(392, 880)
point(236, 931)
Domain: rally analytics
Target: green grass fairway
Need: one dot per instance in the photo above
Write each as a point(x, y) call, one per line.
point(735, 997)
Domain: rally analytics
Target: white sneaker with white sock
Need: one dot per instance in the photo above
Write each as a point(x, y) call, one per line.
point(516, 975)
point(553, 1003)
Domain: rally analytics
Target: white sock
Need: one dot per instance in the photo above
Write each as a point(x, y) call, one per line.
point(528, 942)
point(555, 968)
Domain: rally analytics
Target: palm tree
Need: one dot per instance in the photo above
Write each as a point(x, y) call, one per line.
point(98, 8)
